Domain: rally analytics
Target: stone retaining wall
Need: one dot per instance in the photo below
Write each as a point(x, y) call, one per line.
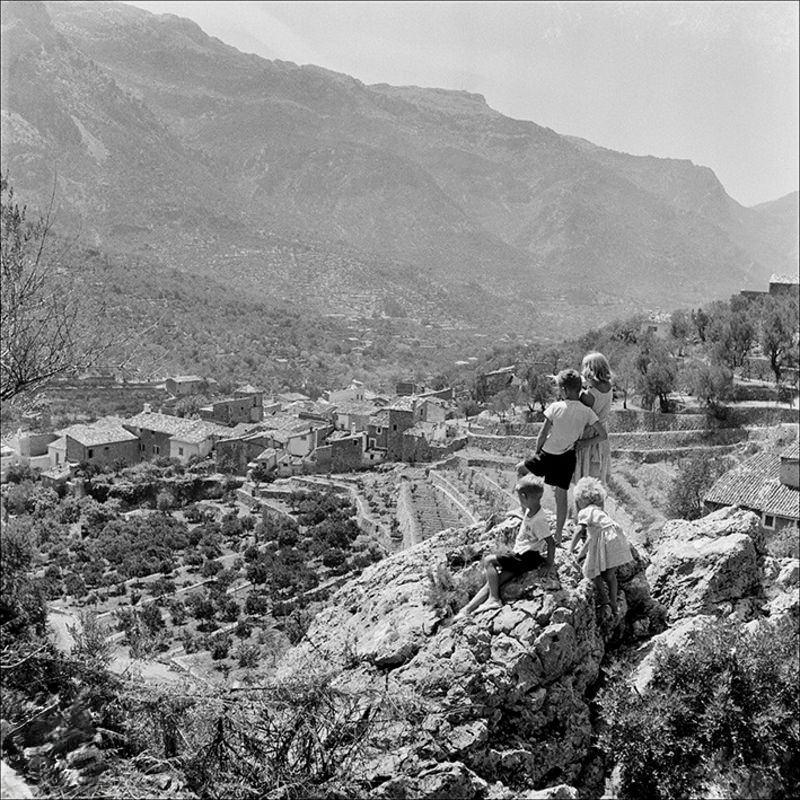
point(407, 520)
point(455, 498)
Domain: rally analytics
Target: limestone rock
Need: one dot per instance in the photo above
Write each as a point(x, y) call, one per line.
point(682, 636)
point(12, 785)
point(697, 575)
point(484, 705)
point(715, 525)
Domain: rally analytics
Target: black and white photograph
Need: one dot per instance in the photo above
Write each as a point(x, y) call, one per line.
point(399, 399)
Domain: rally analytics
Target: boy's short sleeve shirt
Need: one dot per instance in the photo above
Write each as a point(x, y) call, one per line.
point(568, 418)
point(533, 530)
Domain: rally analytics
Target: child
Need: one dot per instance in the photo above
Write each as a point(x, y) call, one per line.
point(594, 460)
point(533, 532)
point(606, 547)
point(562, 433)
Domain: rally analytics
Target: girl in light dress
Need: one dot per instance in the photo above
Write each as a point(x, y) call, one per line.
point(594, 460)
point(606, 547)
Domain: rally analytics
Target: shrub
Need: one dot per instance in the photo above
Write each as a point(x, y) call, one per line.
point(725, 709)
point(210, 568)
point(695, 477)
point(220, 647)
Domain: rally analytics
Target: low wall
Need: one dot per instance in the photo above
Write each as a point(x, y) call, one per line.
point(453, 496)
point(407, 520)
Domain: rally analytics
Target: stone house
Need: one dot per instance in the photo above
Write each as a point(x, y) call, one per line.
point(353, 416)
point(233, 410)
point(401, 418)
point(347, 450)
point(784, 285)
point(182, 385)
point(430, 410)
point(378, 431)
point(237, 452)
point(176, 437)
point(767, 484)
point(354, 393)
point(103, 445)
point(30, 449)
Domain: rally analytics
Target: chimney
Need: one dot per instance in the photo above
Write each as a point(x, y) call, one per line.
point(146, 409)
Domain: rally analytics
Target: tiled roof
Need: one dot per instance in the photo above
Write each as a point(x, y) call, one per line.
point(402, 404)
point(104, 431)
point(201, 431)
point(267, 453)
point(249, 389)
point(380, 418)
point(179, 428)
point(357, 407)
point(186, 379)
point(756, 484)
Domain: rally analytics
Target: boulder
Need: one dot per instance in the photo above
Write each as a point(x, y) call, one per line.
point(682, 636)
point(699, 575)
point(715, 525)
point(492, 703)
point(12, 785)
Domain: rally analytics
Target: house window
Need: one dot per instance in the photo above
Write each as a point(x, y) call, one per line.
point(371, 444)
point(156, 449)
point(91, 453)
point(379, 430)
point(57, 459)
point(180, 451)
point(769, 521)
point(394, 427)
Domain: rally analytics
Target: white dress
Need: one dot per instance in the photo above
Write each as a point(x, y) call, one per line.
point(607, 546)
point(595, 459)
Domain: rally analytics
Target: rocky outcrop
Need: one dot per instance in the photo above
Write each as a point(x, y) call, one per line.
point(495, 704)
point(710, 566)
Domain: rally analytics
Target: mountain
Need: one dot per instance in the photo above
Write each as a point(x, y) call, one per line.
point(266, 175)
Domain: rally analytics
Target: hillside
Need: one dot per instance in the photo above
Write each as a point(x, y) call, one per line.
point(171, 143)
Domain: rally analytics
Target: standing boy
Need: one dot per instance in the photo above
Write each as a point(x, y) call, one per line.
point(563, 432)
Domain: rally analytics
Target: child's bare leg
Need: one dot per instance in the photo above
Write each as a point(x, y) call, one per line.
point(610, 577)
point(493, 580)
point(480, 598)
point(599, 589)
point(561, 511)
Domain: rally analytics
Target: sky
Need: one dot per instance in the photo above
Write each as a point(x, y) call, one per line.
point(712, 82)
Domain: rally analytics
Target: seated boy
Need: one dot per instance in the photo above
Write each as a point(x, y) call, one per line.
point(533, 533)
point(563, 431)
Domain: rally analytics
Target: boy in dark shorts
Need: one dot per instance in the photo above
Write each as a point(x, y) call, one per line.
point(534, 532)
point(563, 432)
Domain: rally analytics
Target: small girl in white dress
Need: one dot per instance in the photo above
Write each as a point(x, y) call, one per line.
point(606, 547)
point(594, 460)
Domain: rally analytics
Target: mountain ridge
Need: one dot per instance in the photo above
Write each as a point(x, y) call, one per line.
point(434, 178)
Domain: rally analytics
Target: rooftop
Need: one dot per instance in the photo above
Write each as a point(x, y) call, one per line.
point(756, 484)
point(186, 378)
point(186, 430)
point(105, 431)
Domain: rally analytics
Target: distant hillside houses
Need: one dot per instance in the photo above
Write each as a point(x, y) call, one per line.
point(346, 429)
point(767, 484)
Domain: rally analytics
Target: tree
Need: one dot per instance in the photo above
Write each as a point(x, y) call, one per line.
point(779, 325)
point(712, 383)
point(694, 479)
point(44, 330)
point(656, 371)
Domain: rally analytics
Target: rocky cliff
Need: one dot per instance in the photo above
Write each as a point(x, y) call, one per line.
point(499, 704)
point(495, 704)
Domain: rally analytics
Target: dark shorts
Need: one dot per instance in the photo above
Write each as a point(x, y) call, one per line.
point(556, 470)
point(517, 563)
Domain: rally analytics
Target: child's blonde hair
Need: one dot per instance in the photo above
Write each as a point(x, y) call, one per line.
point(590, 491)
point(530, 486)
point(595, 367)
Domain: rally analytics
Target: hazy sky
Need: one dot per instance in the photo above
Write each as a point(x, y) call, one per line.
point(716, 83)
